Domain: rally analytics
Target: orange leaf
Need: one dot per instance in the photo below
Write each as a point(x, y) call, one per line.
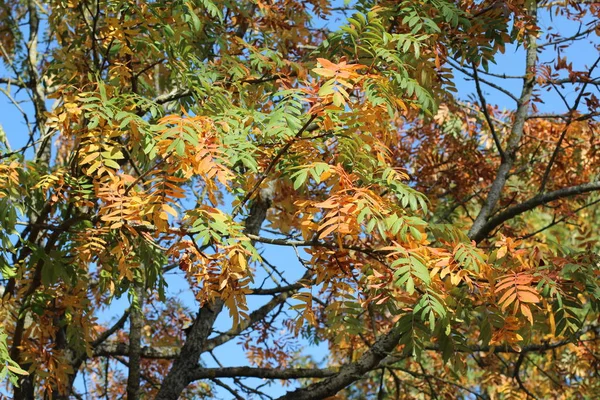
point(528, 297)
point(505, 296)
point(327, 64)
point(509, 300)
point(324, 72)
point(327, 231)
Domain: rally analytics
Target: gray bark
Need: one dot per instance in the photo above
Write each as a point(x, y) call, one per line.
point(512, 145)
point(349, 373)
point(136, 324)
point(196, 342)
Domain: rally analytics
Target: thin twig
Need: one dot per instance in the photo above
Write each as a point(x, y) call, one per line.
point(456, 66)
point(558, 221)
point(486, 113)
point(572, 110)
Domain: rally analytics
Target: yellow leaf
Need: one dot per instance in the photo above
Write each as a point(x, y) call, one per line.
point(116, 225)
point(551, 319)
point(17, 370)
point(518, 337)
point(324, 72)
point(527, 313)
point(501, 252)
point(223, 284)
point(338, 99)
point(89, 158)
point(169, 209)
point(93, 167)
point(242, 261)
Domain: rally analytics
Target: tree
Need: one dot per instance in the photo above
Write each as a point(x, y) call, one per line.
point(447, 247)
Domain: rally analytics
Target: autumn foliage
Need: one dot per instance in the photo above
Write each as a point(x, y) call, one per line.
point(189, 176)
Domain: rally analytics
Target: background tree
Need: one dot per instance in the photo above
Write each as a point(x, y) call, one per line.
point(446, 247)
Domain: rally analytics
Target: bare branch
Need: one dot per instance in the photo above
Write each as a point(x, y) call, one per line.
point(276, 290)
point(514, 139)
point(254, 317)
point(579, 34)
point(486, 113)
point(14, 82)
point(228, 388)
point(437, 378)
point(143, 376)
point(264, 373)
point(530, 204)
point(558, 221)
point(175, 94)
point(352, 372)
point(28, 145)
point(122, 349)
point(582, 117)
point(136, 324)
point(566, 128)
point(106, 334)
point(309, 243)
point(517, 376)
point(456, 66)
point(178, 377)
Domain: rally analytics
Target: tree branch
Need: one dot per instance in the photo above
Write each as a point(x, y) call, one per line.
point(264, 373)
point(15, 82)
point(437, 378)
point(276, 290)
point(577, 35)
point(255, 316)
point(143, 376)
point(530, 204)
point(517, 376)
point(558, 221)
point(514, 139)
point(486, 113)
point(352, 372)
point(490, 84)
point(122, 349)
point(566, 128)
point(228, 388)
point(196, 342)
point(582, 117)
point(310, 243)
point(107, 333)
point(178, 377)
point(136, 324)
